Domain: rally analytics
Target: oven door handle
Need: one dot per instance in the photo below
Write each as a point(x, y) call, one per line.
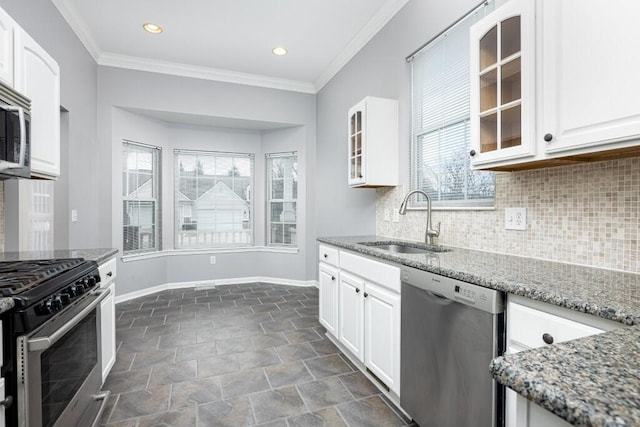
point(43, 343)
point(23, 139)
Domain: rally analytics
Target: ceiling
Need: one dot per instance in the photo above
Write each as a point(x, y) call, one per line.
point(231, 40)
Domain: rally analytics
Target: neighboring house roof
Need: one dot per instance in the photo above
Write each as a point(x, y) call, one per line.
point(219, 196)
point(192, 189)
point(143, 188)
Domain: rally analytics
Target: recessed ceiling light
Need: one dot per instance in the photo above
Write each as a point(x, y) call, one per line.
point(152, 28)
point(279, 51)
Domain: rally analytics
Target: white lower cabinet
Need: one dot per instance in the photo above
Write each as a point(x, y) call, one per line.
point(382, 334)
point(531, 324)
point(351, 305)
point(328, 310)
point(368, 313)
point(108, 317)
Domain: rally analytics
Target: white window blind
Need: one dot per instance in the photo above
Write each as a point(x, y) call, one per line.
point(282, 199)
point(213, 199)
point(440, 117)
point(140, 198)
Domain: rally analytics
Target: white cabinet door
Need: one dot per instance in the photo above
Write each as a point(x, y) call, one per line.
point(382, 334)
point(328, 283)
point(350, 318)
point(502, 85)
point(38, 77)
point(589, 75)
point(108, 332)
point(7, 27)
point(373, 143)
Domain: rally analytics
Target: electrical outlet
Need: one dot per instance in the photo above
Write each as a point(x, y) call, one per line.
point(515, 218)
point(74, 215)
point(212, 259)
point(396, 215)
point(387, 215)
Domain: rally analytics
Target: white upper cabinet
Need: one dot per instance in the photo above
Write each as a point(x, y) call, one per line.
point(502, 84)
point(38, 77)
point(590, 85)
point(7, 26)
point(553, 83)
point(373, 143)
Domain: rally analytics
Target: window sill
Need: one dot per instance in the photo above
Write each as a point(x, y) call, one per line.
point(460, 208)
point(183, 252)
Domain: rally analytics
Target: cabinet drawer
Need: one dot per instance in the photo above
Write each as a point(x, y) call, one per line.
point(383, 274)
point(107, 272)
point(527, 327)
point(328, 255)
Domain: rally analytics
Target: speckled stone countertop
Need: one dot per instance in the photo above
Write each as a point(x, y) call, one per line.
point(593, 381)
point(99, 255)
point(610, 294)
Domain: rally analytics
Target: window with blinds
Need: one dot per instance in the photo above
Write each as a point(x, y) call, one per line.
point(140, 198)
point(213, 199)
point(440, 116)
point(282, 199)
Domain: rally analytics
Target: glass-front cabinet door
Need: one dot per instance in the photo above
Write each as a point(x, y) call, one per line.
point(502, 85)
point(356, 144)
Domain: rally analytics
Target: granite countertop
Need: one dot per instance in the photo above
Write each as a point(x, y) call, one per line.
point(99, 255)
point(593, 381)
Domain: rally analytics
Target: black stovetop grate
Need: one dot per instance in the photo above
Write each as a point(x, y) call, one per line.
point(19, 276)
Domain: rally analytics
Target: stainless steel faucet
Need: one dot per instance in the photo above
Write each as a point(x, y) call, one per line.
point(429, 234)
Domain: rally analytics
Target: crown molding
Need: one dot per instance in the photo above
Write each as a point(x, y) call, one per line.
point(77, 24)
point(184, 70)
point(379, 20)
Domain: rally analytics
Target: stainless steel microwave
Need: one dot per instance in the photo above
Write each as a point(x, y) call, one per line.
point(15, 142)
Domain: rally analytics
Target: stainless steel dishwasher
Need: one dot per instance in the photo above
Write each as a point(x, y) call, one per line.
point(450, 330)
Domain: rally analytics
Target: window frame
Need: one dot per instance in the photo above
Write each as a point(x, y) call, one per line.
point(156, 181)
point(269, 157)
point(447, 124)
point(176, 198)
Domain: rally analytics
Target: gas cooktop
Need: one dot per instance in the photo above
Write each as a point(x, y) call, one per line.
point(17, 277)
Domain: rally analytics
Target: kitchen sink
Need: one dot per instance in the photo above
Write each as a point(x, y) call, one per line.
point(406, 248)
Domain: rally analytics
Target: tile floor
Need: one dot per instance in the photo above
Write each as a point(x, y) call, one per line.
point(237, 355)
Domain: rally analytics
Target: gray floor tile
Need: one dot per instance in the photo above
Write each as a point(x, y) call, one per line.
point(154, 400)
point(358, 385)
point(369, 412)
point(210, 348)
point(234, 345)
point(302, 335)
point(146, 359)
point(196, 351)
point(217, 365)
point(324, 393)
point(227, 413)
point(328, 417)
point(279, 403)
point(327, 366)
point(258, 358)
point(120, 382)
point(196, 392)
point(185, 417)
point(170, 373)
point(243, 382)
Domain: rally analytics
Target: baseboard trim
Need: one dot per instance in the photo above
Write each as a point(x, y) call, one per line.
point(213, 283)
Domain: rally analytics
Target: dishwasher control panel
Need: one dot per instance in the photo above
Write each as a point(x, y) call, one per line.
point(485, 299)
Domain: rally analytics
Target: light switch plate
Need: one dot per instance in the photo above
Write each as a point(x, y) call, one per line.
point(515, 218)
point(74, 215)
point(396, 215)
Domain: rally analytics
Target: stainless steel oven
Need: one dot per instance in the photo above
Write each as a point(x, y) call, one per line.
point(51, 356)
point(15, 144)
point(59, 368)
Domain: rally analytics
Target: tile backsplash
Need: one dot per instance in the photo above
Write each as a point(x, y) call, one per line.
point(584, 214)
